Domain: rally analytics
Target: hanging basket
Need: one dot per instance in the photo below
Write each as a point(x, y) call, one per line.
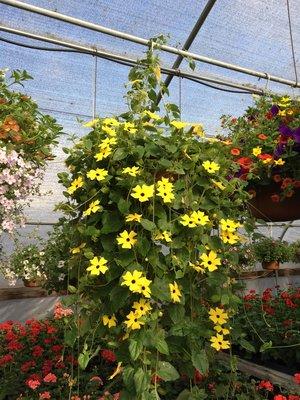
point(271, 265)
point(33, 282)
point(261, 206)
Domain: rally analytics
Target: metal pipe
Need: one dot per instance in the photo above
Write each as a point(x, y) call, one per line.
point(112, 56)
point(189, 41)
point(144, 42)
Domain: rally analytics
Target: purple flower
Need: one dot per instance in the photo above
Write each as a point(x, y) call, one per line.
point(274, 110)
point(290, 133)
point(279, 150)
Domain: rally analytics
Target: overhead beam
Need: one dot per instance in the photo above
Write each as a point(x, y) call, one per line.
point(202, 18)
point(130, 61)
point(145, 42)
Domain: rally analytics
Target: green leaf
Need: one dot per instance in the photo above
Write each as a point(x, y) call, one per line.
point(247, 345)
point(166, 371)
point(72, 289)
point(266, 346)
point(70, 336)
point(84, 359)
point(111, 222)
point(148, 225)
point(184, 395)
point(135, 349)
point(200, 361)
point(124, 206)
point(119, 154)
point(128, 377)
point(141, 380)
point(161, 345)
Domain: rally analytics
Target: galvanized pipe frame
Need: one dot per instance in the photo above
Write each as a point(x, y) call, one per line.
point(112, 56)
point(145, 42)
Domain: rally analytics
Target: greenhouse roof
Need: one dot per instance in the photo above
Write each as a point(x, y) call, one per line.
point(255, 35)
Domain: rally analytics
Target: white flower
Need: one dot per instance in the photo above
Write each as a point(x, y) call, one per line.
point(61, 277)
point(61, 264)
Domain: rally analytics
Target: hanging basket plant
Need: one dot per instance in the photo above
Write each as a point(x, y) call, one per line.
point(155, 219)
point(265, 144)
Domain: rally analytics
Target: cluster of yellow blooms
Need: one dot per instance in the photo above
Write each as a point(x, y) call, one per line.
point(219, 317)
point(145, 192)
point(194, 219)
point(228, 231)
point(137, 283)
point(210, 261)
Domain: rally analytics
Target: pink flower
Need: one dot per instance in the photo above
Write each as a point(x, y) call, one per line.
point(50, 378)
point(45, 395)
point(33, 383)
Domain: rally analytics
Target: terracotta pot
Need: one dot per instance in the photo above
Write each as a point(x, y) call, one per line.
point(271, 265)
point(262, 207)
point(33, 282)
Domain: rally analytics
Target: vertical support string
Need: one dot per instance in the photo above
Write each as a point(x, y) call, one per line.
point(180, 95)
point(292, 40)
point(94, 106)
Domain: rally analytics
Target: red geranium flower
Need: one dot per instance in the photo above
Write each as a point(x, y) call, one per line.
point(244, 162)
point(45, 395)
point(37, 351)
point(275, 198)
point(108, 355)
point(50, 378)
point(297, 378)
point(293, 397)
point(280, 397)
point(265, 156)
point(6, 359)
point(267, 385)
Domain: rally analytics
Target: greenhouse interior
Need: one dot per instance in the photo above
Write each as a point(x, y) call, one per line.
point(150, 200)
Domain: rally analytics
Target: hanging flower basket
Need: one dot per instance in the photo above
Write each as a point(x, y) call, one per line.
point(267, 206)
point(271, 265)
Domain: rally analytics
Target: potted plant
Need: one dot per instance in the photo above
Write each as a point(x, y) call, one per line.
point(265, 144)
point(271, 252)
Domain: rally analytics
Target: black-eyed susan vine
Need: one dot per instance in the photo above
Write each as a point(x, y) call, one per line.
point(155, 208)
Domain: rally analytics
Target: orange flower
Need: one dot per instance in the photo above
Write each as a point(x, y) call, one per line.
point(275, 198)
point(262, 136)
point(245, 162)
point(290, 193)
point(269, 115)
point(266, 158)
point(277, 178)
point(296, 184)
point(235, 151)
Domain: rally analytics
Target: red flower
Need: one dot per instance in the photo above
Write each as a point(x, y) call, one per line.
point(297, 378)
point(45, 395)
point(265, 157)
point(269, 115)
point(267, 294)
point(47, 366)
point(277, 178)
point(25, 367)
point(275, 198)
point(296, 184)
point(244, 162)
point(235, 152)
point(37, 351)
point(5, 359)
point(198, 377)
point(14, 345)
point(290, 193)
point(33, 383)
point(262, 136)
point(290, 304)
point(293, 397)
point(57, 348)
point(108, 355)
point(286, 182)
point(287, 322)
point(50, 378)
point(280, 397)
point(267, 385)
point(269, 310)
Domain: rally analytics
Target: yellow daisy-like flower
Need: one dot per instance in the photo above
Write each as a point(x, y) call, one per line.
point(110, 122)
point(109, 131)
point(97, 265)
point(93, 208)
point(132, 280)
point(284, 102)
point(132, 171)
point(210, 261)
point(256, 151)
point(76, 184)
point(77, 250)
point(229, 225)
point(197, 267)
point(127, 239)
point(109, 141)
point(229, 237)
point(280, 161)
point(142, 307)
point(199, 218)
point(151, 115)
point(144, 284)
point(130, 127)
point(165, 235)
point(186, 220)
point(218, 184)
point(179, 124)
point(166, 194)
point(143, 193)
point(165, 183)
point(99, 173)
point(218, 342)
point(198, 130)
point(133, 322)
point(133, 217)
point(210, 166)
point(174, 292)
point(103, 153)
point(218, 316)
point(91, 123)
point(221, 330)
point(109, 320)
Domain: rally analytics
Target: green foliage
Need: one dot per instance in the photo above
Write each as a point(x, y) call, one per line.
point(268, 249)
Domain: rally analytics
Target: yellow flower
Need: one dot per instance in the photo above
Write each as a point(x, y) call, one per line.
point(210, 261)
point(174, 292)
point(132, 171)
point(165, 235)
point(179, 124)
point(280, 161)
point(109, 131)
point(76, 250)
point(110, 122)
point(97, 265)
point(99, 173)
point(103, 153)
point(143, 193)
point(218, 184)
point(130, 127)
point(256, 151)
point(142, 307)
point(218, 316)
point(284, 101)
point(164, 183)
point(229, 225)
point(133, 217)
point(221, 330)
point(210, 166)
point(117, 371)
point(198, 130)
point(107, 142)
point(199, 218)
point(166, 194)
point(151, 115)
point(76, 184)
point(93, 208)
point(229, 237)
point(144, 287)
point(133, 322)
point(218, 342)
point(109, 320)
point(186, 220)
point(197, 267)
point(127, 240)
point(91, 123)
point(132, 280)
